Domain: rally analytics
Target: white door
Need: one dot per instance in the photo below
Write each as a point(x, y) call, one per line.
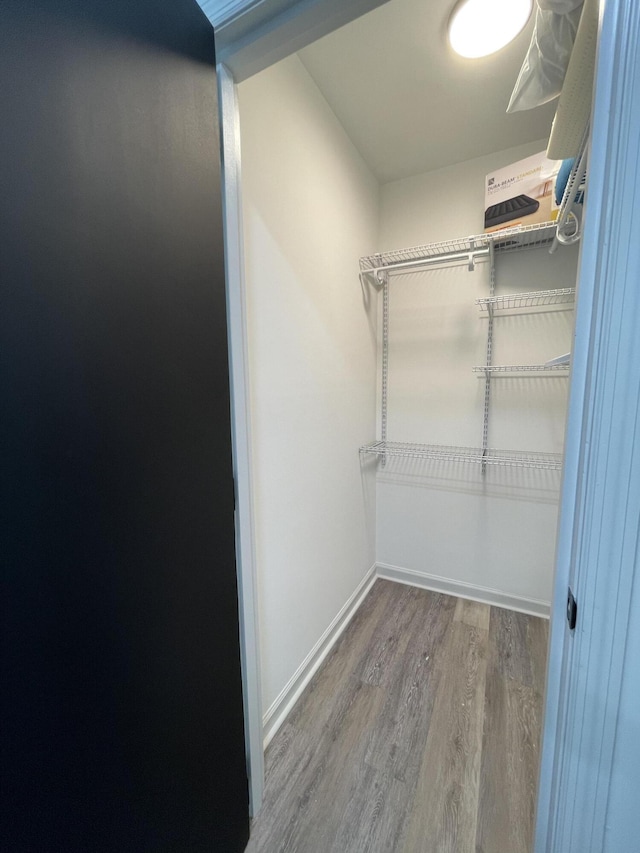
point(583, 791)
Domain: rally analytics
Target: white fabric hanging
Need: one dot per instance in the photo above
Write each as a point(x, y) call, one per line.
point(543, 71)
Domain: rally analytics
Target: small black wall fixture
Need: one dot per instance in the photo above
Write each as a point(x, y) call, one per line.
point(572, 610)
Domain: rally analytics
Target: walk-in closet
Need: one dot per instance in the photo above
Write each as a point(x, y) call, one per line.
point(409, 369)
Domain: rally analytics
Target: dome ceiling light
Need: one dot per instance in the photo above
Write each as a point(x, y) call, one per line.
point(481, 27)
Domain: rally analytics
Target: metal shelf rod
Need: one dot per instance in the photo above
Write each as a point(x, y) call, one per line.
point(454, 257)
point(487, 387)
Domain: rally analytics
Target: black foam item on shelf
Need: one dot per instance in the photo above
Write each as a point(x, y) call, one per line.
point(513, 208)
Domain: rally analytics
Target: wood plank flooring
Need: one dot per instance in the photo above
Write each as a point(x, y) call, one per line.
point(420, 733)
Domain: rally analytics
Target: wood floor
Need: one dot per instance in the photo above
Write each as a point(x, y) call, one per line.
point(419, 734)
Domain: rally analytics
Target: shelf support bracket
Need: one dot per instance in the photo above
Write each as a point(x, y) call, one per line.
point(489, 359)
point(472, 260)
point(385, 364)
point(380, 274)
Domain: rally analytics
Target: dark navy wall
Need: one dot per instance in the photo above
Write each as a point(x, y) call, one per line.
point(121, 698)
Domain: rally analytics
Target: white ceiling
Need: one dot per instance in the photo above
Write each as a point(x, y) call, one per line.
point(408, 102)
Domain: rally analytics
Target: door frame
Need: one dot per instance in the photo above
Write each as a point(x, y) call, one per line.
point(251, 40)
point(241, 435)
point(251, 35)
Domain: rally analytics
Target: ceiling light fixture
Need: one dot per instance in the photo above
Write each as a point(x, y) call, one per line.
point(480, 27)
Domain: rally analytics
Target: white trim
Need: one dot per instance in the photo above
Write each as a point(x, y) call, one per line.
point(241, 436)
point(461, 589)
point(252, 38)
point(221, 14)
point(283, 705)
point(280, 709)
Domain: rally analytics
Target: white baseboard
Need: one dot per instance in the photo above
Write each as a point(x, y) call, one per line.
point(532, 606)
point(277, 713)
point(279, 710)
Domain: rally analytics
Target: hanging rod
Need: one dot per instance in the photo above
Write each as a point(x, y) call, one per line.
point(469, 257)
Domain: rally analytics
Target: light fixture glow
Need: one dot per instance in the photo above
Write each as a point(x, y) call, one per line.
point(480, 27)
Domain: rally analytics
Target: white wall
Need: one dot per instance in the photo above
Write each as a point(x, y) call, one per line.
point(310, 210)
point(494, 531)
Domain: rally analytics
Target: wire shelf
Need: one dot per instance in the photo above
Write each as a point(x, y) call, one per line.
point(503, 369)
point(461, 249)
point(562, 297)
point(472, 455)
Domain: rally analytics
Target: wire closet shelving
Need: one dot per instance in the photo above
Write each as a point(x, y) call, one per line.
point(473, 455)
point(507, 369)
point(536, 299)
point(469, 251)
point(461, 250)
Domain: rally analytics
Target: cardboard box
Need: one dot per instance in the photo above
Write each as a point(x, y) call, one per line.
point(521, 194)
